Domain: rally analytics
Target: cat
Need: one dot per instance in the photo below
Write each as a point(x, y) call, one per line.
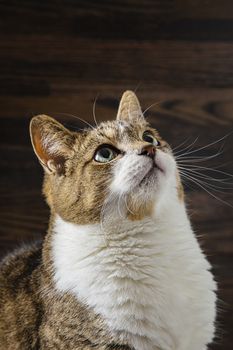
point(120, 266)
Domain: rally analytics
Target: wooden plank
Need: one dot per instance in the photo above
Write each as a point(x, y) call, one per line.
point(75, 64)
point(56, 57)
point(207, 9)
point(147, 20)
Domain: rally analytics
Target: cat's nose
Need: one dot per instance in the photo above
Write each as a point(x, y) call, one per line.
point(148, 151)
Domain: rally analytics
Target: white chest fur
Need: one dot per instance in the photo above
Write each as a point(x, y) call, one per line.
point(151, 283)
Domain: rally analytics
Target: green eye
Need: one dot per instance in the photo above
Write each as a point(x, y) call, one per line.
point(148, 137)
point(105, 154)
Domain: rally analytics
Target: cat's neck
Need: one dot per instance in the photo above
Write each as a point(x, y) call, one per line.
point(75, 249)
point(112, 265)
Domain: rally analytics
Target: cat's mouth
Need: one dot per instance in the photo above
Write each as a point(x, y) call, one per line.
point(151, 174)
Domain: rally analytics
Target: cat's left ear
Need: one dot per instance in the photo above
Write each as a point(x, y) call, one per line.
point(52, 143)
point(129, 108)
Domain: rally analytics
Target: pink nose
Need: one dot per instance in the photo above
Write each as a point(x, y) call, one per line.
point(148, 151)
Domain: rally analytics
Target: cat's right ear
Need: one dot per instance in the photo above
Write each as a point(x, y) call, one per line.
point(129, 108)
point(52, 143)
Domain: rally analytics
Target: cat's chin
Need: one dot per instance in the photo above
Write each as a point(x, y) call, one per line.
point(158, 178)
point(150, 178)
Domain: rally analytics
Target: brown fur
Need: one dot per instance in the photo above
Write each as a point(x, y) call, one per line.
point(33, 315)
point(79, 194)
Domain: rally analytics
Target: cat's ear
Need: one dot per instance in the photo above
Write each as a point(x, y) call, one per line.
point(129, 108)
point(52, 143)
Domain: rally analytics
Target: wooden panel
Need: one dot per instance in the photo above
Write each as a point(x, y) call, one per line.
point(75, 64)
point(56, 57)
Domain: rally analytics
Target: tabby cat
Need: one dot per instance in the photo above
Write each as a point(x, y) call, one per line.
point(120, 266)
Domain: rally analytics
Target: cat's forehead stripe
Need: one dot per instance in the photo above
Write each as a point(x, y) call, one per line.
point(116, 130)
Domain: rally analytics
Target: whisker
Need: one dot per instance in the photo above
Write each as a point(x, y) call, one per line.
point(204, 188)
point(188, 147)
point(185, 157)
point(137, 87)
point(210, 144)
point(75, 116)
point(210, 193)
point(209, 169)
point(202, 178)
point(152, 105)
point(93, 110)
point(125, 199)
point(201, 172)
point(72, 126)
point(118, 203)
point(181, 144)
point(223, 165)
point(187, 184)
point(197, 159)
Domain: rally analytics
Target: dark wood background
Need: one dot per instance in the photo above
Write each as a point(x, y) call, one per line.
point(57, 56)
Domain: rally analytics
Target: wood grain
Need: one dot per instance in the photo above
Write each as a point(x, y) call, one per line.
point(56, 57)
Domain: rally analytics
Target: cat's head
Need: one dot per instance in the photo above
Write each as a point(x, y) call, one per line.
point(122, 164)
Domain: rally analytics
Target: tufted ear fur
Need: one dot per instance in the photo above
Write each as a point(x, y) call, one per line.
point(52, 143)
point(129, 108)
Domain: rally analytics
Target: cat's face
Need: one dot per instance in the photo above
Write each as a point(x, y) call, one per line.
point(123, 165)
